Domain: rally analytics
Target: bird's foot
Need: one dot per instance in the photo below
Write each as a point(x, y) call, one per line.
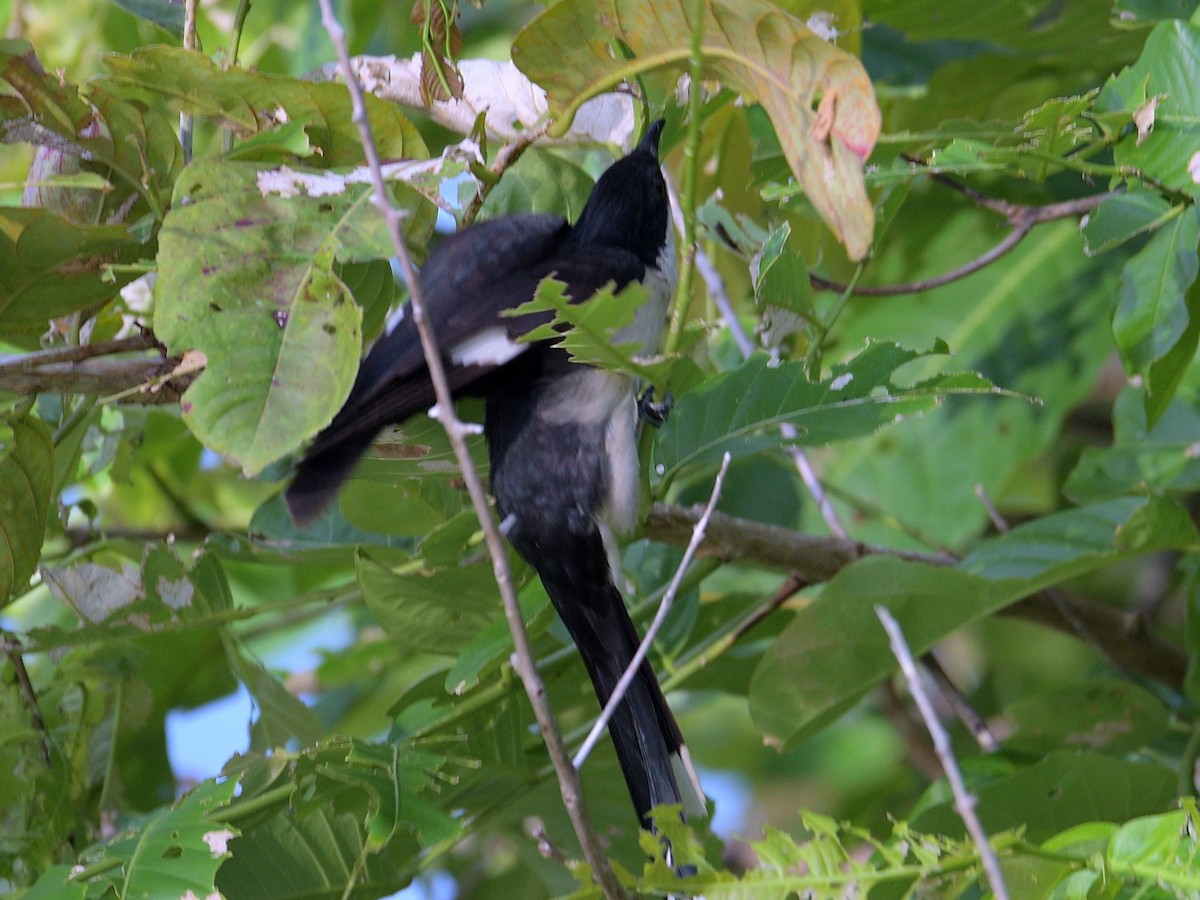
point(654, 412)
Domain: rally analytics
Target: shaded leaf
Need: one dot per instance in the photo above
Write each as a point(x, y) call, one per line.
point(1152, 313)
point(1063, 790)
point(1122, 218)
point(436, 611)
point(167, 14)
point(1098, 715)
point(50, 266)
point(249, 102)
point(281, 716)
point(735, 410)
point(26, 470)
point(834, 650)
point(1165, 457)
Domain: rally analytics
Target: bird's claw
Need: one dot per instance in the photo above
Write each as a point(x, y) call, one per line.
point(654, 412)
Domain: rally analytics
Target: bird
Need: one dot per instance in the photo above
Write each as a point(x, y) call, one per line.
point(561, 436)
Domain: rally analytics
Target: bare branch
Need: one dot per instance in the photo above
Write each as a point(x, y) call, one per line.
point(1021, 217)
point(14, 652)
point(31, 362)
point(814, 559)
point(656, 624)
point(964, 801)
point(568, 777)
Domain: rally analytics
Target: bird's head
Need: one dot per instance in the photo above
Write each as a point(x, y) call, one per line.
point(628, 206)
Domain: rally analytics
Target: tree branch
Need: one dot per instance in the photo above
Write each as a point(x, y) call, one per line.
point(813, 559)
point(456, 431)
point(1020, 216)
point(103, 369)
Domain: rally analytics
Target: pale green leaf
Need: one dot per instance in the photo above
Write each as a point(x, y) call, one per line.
point(246, 277)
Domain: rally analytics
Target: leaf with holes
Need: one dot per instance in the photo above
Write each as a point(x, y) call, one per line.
point(247, 277)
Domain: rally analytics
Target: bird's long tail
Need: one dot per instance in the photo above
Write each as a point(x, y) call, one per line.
point(649, 746)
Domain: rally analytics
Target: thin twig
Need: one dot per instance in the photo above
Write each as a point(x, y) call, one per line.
point(811, 481)
point(691, 178)
point(568, 777)
point(660, 617)
point(190, 42)
point(966, 713)
point(14, 652)
point(31, 362)
point(1021, 217)
point(964, 801)
point(989, 507)
point(506, 156)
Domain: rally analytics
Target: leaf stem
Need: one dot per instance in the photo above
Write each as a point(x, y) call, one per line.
point(691, 179)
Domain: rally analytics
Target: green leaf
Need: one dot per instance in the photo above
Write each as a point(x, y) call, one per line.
point(344, 826)
point(177, 849)
point(1152, 313)
point(133, 146)
point(1164, 457)
point(406, 506)
point(162, 590)
point(26, 470)
point(330, 538)
point(167, 14)
point(834, 650)
point(1059, 792)
point(493, 644)
point(50, 267)
point(1099, 715)
point(437, 611)
point(280, 332)
point(540, 182)
point(1123, 217)
point(1063, 545)
point(249, 102)
point(281, 716)
point(1167, 373)
point(592, 323)
point(735, 410)
point(1164, 87)
point(818, 96)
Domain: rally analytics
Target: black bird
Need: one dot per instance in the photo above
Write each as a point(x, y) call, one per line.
point(561, 436)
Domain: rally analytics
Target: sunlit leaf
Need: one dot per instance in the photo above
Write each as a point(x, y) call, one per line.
point(246, 277)
point(818, 96)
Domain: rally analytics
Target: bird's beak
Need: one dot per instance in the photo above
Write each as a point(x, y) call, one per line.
point(650, 140)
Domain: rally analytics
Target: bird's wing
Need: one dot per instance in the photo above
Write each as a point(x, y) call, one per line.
point(468, 283)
